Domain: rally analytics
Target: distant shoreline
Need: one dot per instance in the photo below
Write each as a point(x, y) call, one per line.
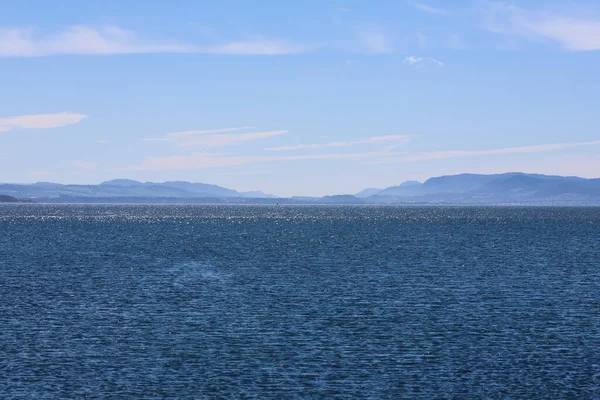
point(508, 189)
point(296, 204)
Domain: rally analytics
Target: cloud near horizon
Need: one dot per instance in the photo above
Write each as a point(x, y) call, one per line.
point(214, 137)
point(198, 160)
point(373, 139)
point(39, 121)
point(86, 40)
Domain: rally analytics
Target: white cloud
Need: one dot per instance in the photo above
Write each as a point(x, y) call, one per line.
point(214, 137)
point(84, 164)
point(39, 121)
point(206, 132)
point(412, 60)
point(430, 10)
point(437, 62)
point(81, 39)
point(228, 139)
point(211, 160)
point(309, 146)
point(423, 61)
point(574, 33)
point(437, 155)
point(374, 139)
point(387, 138)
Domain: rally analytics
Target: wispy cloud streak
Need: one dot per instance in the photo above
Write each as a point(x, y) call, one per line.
point(421, 61)
point(374, 139)
point(430, 10)
point(206, 132)
point(211, 160)
point(39, 121)
point(228, 139)
point(214, 137)
point(85, 40)
point(437, 155)
point(574, 33)
point(260, 46)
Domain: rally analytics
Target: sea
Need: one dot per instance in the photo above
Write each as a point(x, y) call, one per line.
point(299, 302)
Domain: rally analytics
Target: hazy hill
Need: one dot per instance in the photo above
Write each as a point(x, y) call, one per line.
point(125, 188)
point(341, 199)
point(513, 187)
point(367, 193)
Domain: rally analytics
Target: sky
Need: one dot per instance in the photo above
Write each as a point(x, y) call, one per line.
point(297, 98)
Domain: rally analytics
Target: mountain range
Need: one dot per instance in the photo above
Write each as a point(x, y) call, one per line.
point(475, 189)
point(123, 189)
point(507, 188)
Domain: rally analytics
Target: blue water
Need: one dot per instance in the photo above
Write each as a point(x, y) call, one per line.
point(202, 302)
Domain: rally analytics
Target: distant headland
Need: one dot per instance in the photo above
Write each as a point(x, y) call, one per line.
point(9, 199)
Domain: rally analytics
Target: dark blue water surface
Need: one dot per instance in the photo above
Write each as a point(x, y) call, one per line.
point(202, 302)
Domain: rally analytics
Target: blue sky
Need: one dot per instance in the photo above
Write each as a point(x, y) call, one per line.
point(297, 98)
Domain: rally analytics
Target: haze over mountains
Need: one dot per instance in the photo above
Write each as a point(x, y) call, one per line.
point(508, 188)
